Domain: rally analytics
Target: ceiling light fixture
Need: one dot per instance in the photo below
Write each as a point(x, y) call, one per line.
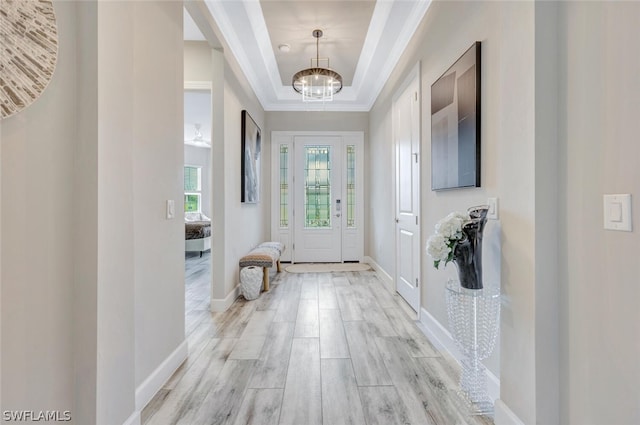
point(198, 135)
point(198, 138)
point(317, 84)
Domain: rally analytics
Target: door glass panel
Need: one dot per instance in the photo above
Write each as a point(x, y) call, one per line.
point(351, 186)
point(317, 187)
point(284, 186)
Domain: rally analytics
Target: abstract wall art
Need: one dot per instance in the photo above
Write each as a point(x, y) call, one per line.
point(250, 165)
point(455, 124)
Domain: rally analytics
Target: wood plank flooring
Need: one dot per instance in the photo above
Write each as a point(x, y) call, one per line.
point(318, 348)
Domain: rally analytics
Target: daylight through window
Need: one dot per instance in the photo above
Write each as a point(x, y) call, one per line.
point(192, 189)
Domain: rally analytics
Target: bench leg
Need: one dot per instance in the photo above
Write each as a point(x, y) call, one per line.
point(265, 278)
point(278, 264)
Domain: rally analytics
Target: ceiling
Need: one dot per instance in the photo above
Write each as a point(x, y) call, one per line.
point(363, 40)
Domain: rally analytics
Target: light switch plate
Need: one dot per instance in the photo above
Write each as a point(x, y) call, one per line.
point(492, 214)
point(617, 212)
point(171, 209)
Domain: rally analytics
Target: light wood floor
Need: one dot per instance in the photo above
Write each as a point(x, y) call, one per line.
point(318, 348)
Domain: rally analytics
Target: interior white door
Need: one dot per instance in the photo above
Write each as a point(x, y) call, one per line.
point(406, 133)
point(318, 199)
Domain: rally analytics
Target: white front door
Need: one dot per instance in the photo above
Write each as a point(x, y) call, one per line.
point(318, 199)
point(317, 195)
point(406, 133)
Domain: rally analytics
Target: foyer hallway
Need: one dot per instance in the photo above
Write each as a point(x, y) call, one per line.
point(318, 348)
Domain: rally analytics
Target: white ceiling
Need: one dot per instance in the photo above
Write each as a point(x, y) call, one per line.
point(191, 30)
point(362, 38)
point(292, 23)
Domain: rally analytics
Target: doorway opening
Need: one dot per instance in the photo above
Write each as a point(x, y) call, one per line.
point(197, 201)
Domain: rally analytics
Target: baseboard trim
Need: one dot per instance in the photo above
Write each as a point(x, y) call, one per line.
point(134, 419)
point(505, 416)
point(439, 336)
point(222, 304)
point(386, 277)
point(149, 388)
point(442, 339)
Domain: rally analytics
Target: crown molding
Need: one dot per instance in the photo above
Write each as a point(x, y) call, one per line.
point(391, 28)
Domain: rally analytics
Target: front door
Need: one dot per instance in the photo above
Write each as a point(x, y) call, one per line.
point(406, 133)
point(318, 199)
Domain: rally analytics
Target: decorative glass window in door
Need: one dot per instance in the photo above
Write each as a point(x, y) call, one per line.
point(351, 186)
point(284, 186)
point(317, 186)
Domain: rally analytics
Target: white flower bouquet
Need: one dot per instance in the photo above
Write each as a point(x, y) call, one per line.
point(441, 245)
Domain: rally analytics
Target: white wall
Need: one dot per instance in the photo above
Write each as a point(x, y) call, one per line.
point(599, 84)
point(247, 224)
point(437, 46)
point(37, 248)
point(236, 227)
point(115, 386)
point(547, 171)
point(158, 160)
point(507, 36)
point(559, 131)
point(317, 121)
point(85, 225)
point(516, 187)
point(75, 173)
point(380, 239)
point(197, 61)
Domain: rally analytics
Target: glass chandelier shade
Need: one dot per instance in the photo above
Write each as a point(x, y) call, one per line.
point(317, 84)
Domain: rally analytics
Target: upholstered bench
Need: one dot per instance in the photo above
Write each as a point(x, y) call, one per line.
point(265, 255)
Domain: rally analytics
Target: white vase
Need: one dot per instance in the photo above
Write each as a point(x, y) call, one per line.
point(251, 282)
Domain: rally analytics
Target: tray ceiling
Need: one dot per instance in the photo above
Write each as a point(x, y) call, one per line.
point(363, 40)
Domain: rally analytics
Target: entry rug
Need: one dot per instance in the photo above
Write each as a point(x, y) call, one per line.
point(327, 267)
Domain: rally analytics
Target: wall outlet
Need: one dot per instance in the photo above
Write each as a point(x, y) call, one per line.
point(492, 214)
point(171, 209)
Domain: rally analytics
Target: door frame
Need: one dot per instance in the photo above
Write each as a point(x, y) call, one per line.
point(216, 271)
point(352, 237)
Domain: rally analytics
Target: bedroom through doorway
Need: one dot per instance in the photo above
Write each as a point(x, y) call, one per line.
point(197, 202)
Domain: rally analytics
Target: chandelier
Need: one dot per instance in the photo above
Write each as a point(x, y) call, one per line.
point(317, 84)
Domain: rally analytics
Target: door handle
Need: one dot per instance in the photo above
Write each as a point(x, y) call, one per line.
point(338, 215)
point(397, 220)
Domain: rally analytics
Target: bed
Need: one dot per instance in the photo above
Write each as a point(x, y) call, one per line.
point(197, 232)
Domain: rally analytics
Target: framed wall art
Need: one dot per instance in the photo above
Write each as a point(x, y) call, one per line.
point(250, 163)
point(455, 124)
